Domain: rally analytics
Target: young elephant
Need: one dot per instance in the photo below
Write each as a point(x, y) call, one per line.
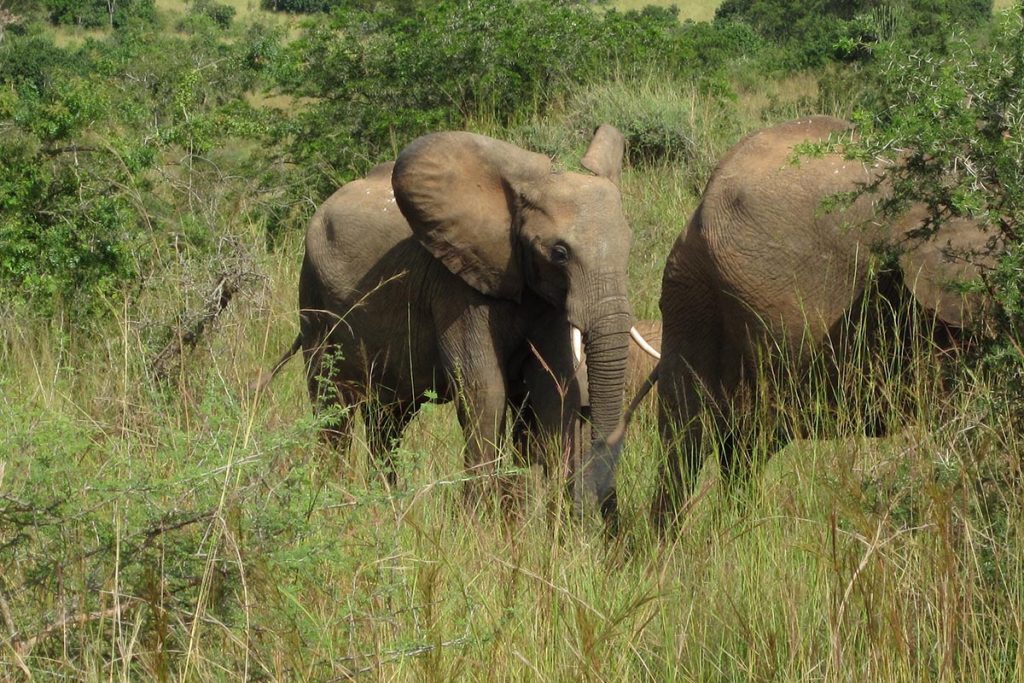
point(763, 272)
point(440, 274)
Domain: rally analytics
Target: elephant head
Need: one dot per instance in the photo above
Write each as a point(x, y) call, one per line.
point(507, 223)
point(956, 253)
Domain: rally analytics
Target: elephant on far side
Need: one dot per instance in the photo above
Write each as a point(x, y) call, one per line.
point(767, 275)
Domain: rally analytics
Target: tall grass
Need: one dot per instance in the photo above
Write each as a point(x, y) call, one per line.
point(202, 533)
point(196, 531)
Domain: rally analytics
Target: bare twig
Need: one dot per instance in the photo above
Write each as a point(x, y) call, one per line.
point(5, 612)
point(22, 646)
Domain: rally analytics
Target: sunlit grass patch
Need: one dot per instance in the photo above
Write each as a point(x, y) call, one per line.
point(697, 10)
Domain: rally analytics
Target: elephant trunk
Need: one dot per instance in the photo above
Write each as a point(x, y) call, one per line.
point(606, 342)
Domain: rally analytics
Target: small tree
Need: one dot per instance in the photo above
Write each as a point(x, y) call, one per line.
point(958, 117)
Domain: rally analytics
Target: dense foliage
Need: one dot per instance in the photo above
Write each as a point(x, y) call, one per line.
point(67, 180)
point(89, 144)
point(96, 13)
point(433, 65)
point(959, 120)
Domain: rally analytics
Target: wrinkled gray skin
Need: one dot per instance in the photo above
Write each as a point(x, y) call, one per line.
point(762, 266)
point(439, 272)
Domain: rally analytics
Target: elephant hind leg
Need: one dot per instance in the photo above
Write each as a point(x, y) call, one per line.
point(691, 423)
point(684, 457)
point(384, 426)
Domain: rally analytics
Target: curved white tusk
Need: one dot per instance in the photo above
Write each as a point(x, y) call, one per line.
point(642, 343)
point(577, 344)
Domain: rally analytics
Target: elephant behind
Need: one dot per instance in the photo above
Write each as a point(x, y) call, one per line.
point(765, 279)
point(642, 361)
point(439, 275)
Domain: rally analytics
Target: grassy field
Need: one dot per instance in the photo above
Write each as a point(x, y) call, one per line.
point(202, 533)
point(198, 531)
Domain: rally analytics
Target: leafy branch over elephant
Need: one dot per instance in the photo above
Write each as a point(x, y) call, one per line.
point(443, 273)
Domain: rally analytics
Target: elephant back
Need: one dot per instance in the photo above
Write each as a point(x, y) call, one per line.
point(354, 231)
point(781, 257)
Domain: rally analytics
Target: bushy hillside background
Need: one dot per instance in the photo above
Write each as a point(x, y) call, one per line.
point(158, 520)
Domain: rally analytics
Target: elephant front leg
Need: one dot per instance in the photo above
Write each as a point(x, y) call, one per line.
point(475, 350)
point(481, 409)
point(683, 424)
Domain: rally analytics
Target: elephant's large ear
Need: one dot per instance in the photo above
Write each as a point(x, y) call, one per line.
point(459, 192)
point(954, 254)
point(604, 156)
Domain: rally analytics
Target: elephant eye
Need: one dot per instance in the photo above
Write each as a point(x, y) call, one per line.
point(560, 254)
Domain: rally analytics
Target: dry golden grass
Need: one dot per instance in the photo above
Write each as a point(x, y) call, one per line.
point(72, 36)
point(243, 8)
point(854, 559)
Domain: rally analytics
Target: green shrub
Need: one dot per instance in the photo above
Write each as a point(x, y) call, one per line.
point(82, 218)
point(205, 13)
point(810, 33)
point(299, 6)
point(383, 77)
point(68, 233)
point(30, 59)
point(665, 122)
point(957, 119)
point(789, 19)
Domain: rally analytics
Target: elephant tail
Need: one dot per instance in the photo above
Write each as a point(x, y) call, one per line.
point(268, 376)
point(627, 416)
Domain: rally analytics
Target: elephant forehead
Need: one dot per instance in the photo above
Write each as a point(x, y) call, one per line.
point(579, 199)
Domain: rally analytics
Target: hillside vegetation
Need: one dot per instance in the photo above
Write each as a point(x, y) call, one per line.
point(161, 520)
